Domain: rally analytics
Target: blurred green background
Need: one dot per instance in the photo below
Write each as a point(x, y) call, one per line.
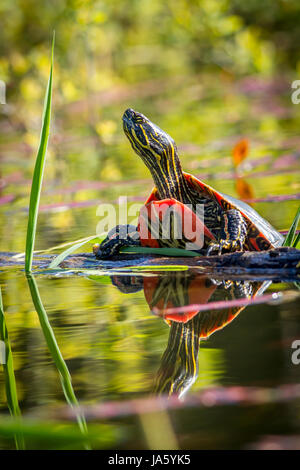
point(105, 43)
point(208, 72)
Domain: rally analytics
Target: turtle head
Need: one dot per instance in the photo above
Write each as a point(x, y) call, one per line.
point(157, 150)
point(150, 142)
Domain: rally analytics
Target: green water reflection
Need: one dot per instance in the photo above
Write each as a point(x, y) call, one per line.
point(116, 349)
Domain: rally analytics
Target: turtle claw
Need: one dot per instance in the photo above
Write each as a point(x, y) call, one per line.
point(100, 254)
point(214, 247)
point(228, 245)
point(226, 284)
point(96, 249)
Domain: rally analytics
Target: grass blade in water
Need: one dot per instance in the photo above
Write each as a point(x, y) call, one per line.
point(55, 353)
point(296, 242)
point(290, 239)
point(159, 251)
point(54, 263)
point(39, 171)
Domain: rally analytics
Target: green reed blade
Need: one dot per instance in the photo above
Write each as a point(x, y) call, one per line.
point(289, 239)
point(56, 247)
point(39, 170)
point(296, 242)
point(9, 378)
point(163, 267)
point(159, 251)
point(54, 263)
point(55, 353)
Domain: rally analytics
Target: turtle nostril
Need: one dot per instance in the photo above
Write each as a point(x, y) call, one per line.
point(129, 114)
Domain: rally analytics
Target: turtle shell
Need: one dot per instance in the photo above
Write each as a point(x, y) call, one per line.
point(260, 236)
point(157, 211)
point(163, 293)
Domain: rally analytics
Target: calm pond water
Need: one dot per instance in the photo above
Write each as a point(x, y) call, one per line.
point(232, 367)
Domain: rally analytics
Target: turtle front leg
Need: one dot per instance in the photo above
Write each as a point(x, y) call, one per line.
point(121, 235)
point(233, 233)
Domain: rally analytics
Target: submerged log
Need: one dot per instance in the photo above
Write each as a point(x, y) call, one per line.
point(281, 263)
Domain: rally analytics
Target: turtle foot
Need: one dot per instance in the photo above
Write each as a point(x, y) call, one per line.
point(118, 237)
point(100, 254)
point(226, 245)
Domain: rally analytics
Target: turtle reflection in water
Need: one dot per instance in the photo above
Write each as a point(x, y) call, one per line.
point(179, 364)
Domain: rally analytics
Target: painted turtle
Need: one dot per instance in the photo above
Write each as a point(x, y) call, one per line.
point(226, 223)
